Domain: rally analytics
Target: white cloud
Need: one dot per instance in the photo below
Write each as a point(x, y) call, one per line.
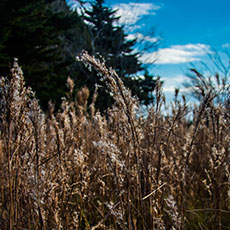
point(177, 54)
point(141, 37)
point(170, 83)
point(173, 82)
point(80, 8)
point(226, 45)
point(171, 89)
point(130, 13)
point(73, 4)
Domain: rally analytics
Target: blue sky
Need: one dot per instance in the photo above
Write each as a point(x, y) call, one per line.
point(187, 30)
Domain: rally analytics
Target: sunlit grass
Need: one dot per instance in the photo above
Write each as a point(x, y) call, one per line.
point(79, 169)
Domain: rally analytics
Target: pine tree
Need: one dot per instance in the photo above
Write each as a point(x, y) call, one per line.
point(108, 40)
point(37, 33)
point(46, 36)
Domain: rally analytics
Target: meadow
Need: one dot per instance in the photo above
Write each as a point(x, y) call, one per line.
point(80, 169)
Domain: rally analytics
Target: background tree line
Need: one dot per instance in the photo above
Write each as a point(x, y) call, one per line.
point(46, 35)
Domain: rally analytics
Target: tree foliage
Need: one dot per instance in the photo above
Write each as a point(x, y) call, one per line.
point(45, 36)
point(110, 42)
point(33, 32)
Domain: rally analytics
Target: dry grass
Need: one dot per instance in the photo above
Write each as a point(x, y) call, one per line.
point(78, 169)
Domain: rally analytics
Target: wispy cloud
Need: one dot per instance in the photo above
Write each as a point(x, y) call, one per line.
point(73, 4)
point(226, 45)
point(170, 83)
point(141, 37)
point(132, 12)
point(177, 54)
point(79, 7)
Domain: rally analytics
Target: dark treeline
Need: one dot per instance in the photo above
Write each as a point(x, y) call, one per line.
point(46, 36)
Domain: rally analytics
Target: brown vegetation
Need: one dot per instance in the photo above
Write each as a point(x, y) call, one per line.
point(79, 169)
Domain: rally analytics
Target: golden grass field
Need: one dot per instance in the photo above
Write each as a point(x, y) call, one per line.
point(80, 169)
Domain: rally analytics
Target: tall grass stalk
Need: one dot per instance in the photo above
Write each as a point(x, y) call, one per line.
point(80, 169)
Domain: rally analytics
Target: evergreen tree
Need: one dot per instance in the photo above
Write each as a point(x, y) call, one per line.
point(46, 36)
point(108, 40)
point(34, 32)
point(74, 39)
